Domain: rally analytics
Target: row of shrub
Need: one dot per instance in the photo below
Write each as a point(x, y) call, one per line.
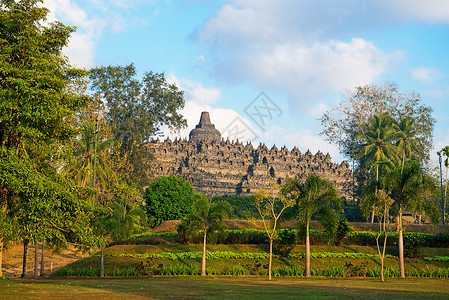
point(437, 258)
point(246, 255)
point(348, 270)
point(361, 238)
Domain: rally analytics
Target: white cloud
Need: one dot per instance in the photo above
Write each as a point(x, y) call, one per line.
point(195, 91)
point(426, 75)
point(432, 11)
point(303, 139)
point(81, 48)
point(268, 44)
point(220, 117)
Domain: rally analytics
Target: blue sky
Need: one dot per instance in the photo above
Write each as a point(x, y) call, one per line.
point(303, 55)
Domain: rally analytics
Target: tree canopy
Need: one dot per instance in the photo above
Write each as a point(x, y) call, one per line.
point(348, 119)
point(168, 198)
point(136, 110)
point(36, 109)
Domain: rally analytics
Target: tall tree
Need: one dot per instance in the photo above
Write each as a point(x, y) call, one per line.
point(315, 198)
point(377, 145)
point(405, 187)
point(36, 106)
point(136, 110)
point(270, 206)
point(348, 119)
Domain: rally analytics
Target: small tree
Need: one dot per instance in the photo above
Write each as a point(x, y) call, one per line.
point(208, 217)
point(382, 205)
point(270, 207)
point(315, 198)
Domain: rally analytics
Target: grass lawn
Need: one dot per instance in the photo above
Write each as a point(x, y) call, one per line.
point(213, 287)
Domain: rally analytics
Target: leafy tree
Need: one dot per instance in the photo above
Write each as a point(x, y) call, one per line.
point(208, 217)
point(382, 204)
point(168, 198)
point(270, 207)
point(315, 198)
point(136, 110)
point(36, 106)
point(348, 119)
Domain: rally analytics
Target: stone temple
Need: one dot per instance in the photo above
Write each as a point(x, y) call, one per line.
point(216, 167)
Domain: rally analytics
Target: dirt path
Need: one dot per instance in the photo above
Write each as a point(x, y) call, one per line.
point(13, 257)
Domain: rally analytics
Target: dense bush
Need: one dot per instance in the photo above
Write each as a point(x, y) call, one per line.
point(168, 198)
point(285, 241)
point(343, 230)
point(413, 241)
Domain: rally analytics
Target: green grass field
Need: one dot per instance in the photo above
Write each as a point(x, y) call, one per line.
point(194, 287)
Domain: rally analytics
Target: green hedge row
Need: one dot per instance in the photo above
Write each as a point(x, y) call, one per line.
point(247, 255)
point(361, 238)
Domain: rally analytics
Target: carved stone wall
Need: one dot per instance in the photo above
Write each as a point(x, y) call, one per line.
point(221, 167)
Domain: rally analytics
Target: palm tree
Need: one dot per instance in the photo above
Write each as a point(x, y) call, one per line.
point(407, 143)
point(208, 217)
point(315, 198)
point(89, 165)
point(378, 144)
point(405, 188)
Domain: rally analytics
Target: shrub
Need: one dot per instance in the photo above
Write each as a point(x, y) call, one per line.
point(285, 241)
point(342, 231)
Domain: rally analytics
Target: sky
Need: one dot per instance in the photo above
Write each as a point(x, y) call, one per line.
point(267, 70)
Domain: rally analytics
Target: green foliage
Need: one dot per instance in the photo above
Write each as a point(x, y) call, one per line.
point(284, 242)
point(37, 108)
point(136, 110)
point(168, 198)
point(346, 120)
point(437, 258)
point(198, 255)
point(243, 206)
point(342, 232)
point(206, 216)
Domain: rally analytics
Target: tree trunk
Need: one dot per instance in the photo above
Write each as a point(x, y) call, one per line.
point(24, 263)
point(307, 251)
point(43, 259)
point(36, 260)
point(1, 256)
point(444, 200)
point(375, 192)
point(203, 259)
point(102, 262)
point(271, 259)
point(401, 245)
